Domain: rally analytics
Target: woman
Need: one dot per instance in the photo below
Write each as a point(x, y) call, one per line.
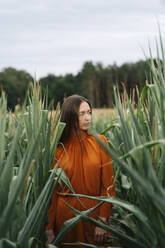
point(89, 169)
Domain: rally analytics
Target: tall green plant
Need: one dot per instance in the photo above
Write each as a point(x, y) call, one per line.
point(26, 184)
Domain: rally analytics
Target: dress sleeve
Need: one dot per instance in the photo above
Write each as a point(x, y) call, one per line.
point(107, 180)
point(52, 207)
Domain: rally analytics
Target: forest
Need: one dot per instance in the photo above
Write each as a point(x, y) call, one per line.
point(94, 81)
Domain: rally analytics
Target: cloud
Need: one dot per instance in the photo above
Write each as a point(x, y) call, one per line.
point(59, 36)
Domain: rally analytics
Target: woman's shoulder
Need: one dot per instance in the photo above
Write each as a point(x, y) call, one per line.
point(59, 150)
point(102, 137)
point(95, 138)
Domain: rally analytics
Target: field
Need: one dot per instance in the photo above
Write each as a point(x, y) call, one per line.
point(101, 112)
point(28, 141)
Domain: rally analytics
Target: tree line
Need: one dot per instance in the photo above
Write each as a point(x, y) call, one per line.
point(94, 81)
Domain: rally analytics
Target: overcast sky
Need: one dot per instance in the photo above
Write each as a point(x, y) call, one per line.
point(58, 36)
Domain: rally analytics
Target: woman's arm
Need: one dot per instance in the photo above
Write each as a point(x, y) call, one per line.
point(100, 234)
point(107, 181)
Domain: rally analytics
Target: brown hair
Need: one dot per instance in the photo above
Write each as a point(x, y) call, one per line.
point(69, 115)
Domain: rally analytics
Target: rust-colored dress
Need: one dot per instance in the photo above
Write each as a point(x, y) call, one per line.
point(89, 169)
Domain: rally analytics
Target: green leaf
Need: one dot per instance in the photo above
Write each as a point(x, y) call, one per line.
point(67, 225)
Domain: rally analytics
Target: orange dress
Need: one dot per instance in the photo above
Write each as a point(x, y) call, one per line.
point(89, 169)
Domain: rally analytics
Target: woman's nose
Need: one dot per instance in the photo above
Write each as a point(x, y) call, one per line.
point(87, 116)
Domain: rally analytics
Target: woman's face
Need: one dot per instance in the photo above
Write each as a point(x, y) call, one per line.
point(85, 115)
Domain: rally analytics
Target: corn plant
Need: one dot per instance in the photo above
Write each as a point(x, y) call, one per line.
point(28, 141)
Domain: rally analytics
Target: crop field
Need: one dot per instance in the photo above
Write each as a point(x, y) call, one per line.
point(102, 112)
point(28, 141)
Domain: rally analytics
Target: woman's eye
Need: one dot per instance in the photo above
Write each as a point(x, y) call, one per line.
point(83, 113)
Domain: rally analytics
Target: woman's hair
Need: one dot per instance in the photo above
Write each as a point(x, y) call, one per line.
point(70, 115)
